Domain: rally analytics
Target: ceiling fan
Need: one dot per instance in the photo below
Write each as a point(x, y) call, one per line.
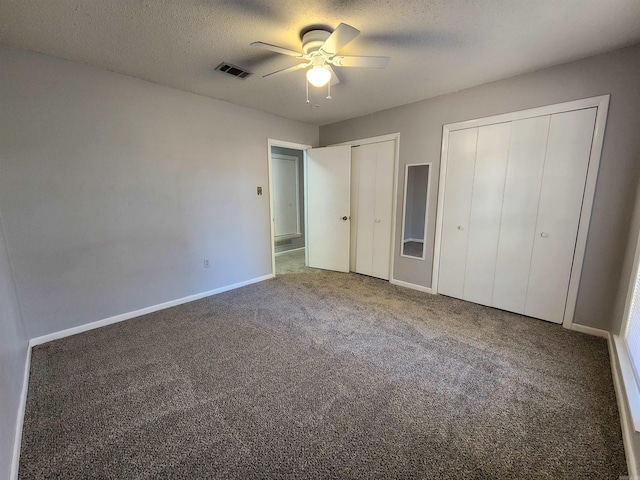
point(319, 49)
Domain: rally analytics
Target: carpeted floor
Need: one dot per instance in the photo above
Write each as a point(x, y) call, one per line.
point(323, 375)
point(413, 249)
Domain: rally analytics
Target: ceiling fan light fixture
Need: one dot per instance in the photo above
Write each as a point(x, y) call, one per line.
point(318, 76)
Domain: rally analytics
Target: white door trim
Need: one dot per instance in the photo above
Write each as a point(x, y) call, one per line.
point(602, 104)
point(277, 143)
point(378, 139)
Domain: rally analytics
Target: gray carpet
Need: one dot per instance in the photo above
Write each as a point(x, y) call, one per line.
point(323, 375)
point(413, 249)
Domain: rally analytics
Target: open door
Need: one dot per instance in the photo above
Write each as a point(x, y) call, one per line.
point(328, 184)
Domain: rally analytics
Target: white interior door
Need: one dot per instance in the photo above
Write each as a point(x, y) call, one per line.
point(328, 180)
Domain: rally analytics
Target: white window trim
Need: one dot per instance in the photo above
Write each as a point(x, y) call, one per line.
point(629, 379)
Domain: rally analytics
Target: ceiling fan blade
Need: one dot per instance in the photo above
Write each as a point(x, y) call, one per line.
point(342, 35)
point(368, 62)
point(335, 78)
point(274, 48)
point(300, 66)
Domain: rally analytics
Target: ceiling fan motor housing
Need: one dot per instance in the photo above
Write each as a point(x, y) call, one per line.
point(313, 40)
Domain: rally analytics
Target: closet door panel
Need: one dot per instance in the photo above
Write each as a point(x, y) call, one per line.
point(492, 153)
point(355, 183)
point(457, 209)
point(519, 212)
point(366, 202)
point(563, 183)
point(385, 154)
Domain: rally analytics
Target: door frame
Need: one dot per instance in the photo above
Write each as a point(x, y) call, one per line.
point(602, 104)
point(283, 144)
point(394, 206)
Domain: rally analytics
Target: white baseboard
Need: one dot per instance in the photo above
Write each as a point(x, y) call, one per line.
point(625, 421)
point(596, 332)
point(412, 286)
point(17, 441)
point(289, 251)
point(90, 326)
point(143, 311)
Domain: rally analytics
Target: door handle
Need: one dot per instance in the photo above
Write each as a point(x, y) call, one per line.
point(544, 234)
point(345, 218)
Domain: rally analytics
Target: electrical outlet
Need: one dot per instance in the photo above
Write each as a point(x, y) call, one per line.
point(206, 263)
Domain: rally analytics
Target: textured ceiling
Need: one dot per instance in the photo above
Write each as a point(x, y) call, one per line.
point(435, 46)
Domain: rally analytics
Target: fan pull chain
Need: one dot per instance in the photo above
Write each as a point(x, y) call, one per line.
point(307, 84)
point(329, 97)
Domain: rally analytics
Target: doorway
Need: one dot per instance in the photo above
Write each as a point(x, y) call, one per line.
point(287, 209)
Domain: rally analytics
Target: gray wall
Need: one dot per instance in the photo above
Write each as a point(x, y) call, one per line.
point(299, 241)
point(420, 125)
point(113, 190)
point(13, 354)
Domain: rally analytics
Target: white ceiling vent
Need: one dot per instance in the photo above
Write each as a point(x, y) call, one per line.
point(233, 70)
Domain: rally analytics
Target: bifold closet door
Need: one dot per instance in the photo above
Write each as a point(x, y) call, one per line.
point(457, 211)
point(561, 196)
point(363, 164)
point(383, 209)
point(492, 151)
point(372, 200)
point(513, 199)
point(519, 212)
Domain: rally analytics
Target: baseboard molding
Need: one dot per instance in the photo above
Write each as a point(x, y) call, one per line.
point(17, 441)
point(143, 311)
point(627, 430)
point(596, 332)
point(289, 251)
point(412, 286)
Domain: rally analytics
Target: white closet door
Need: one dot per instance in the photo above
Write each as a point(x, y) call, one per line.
point(355, 192)
point(563, 183)
point(492, 153)
point(366, 204)
point(457, 209)
point(519, 212)
point(385, 154)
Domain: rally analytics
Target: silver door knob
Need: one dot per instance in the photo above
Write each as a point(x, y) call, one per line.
point(544, 234)
point(460, 227)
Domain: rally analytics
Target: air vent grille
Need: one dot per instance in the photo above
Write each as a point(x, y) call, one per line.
point(233, 70)
point(283, 243)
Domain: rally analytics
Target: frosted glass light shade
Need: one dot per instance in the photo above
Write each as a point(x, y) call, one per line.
point(318, 76)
